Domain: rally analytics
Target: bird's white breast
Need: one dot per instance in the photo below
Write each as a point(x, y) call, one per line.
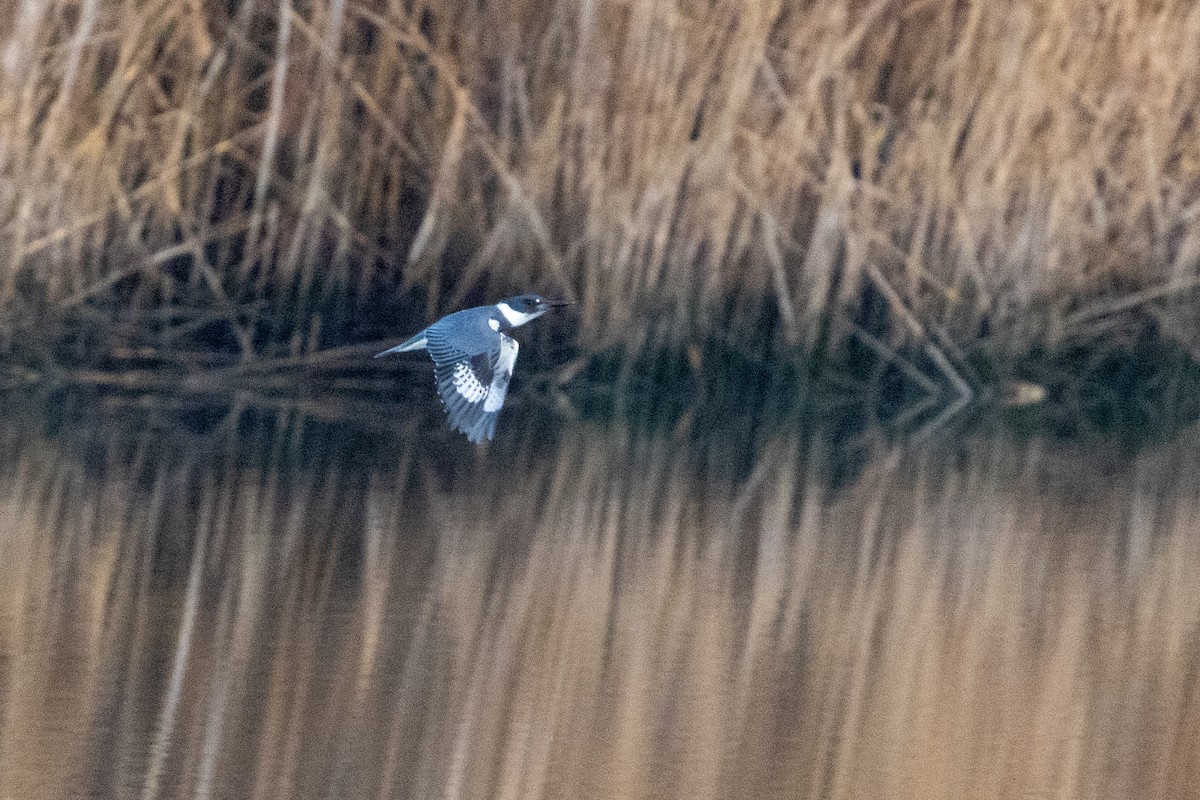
point(504, 370)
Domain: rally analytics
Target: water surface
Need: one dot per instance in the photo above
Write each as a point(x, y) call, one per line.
point(231, 601)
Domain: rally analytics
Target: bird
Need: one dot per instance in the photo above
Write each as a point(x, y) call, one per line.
point(473, 358)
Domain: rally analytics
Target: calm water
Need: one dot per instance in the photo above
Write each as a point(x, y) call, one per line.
point(235, 602)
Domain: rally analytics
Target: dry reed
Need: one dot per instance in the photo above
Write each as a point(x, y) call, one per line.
point(669, 165)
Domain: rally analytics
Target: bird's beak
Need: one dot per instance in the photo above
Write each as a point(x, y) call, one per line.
point(561, 303)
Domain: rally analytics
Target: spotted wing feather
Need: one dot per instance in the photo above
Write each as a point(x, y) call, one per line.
point(472, 385)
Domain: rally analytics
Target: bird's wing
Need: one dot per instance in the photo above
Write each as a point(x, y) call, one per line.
point(472, 385)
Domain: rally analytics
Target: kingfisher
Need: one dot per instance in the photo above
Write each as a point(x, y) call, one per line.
point(473, 359)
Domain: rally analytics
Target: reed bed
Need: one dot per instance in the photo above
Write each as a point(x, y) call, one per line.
point(993, 625)
point(269, 178)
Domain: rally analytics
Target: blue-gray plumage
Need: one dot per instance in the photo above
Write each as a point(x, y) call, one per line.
point(473, 359)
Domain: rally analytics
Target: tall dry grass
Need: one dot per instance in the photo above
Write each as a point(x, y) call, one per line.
point(993, 626)
point(675, 167)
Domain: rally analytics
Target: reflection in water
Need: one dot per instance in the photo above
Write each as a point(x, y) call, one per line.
point(594, 622)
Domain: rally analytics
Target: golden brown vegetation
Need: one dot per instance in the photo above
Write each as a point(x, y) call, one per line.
point(606, 628)
point(209, 160)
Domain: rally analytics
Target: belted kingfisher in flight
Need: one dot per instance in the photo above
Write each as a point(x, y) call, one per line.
point(474, 358)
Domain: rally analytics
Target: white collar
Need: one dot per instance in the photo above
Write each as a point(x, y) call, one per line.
point(513, 316)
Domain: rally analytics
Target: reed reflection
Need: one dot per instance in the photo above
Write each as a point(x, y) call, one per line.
point(595, 621)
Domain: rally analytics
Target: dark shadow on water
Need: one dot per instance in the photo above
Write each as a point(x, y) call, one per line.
point(717, 403)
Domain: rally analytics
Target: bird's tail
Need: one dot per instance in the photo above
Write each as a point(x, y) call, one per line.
point(417, 342)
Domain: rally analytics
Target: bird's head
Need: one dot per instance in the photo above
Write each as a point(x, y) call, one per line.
point(525, 307)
